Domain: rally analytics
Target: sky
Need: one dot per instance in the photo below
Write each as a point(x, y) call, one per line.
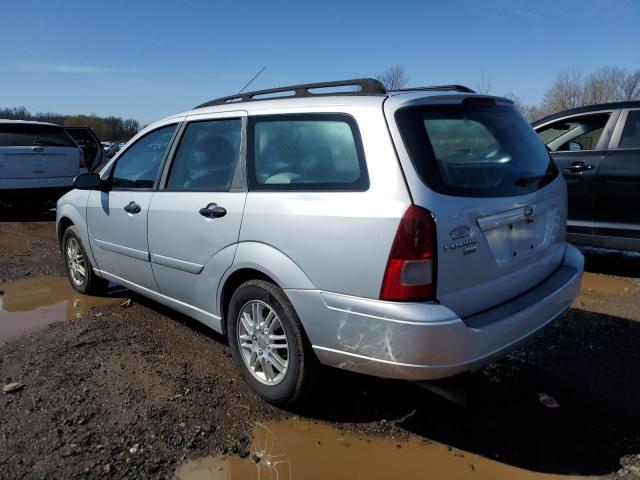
point(148, 60)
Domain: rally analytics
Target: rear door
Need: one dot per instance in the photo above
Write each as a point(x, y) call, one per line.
point(117, 217)
point(90, 145)
point(31, 150)
point(618, 188)
point(497, 197)
point(196, 213)
point(577, 144)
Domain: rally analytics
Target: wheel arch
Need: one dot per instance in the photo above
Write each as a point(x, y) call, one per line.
point(237, 278)
point(68, 215)
point(254, 260)
point(63, 224)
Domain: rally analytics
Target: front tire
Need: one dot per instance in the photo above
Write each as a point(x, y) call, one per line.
point(78, 265)
point(268, 343)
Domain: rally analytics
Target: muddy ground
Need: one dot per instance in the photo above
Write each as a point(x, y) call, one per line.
point(134, 392)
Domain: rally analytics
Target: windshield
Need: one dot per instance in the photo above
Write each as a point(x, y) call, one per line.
point(30, 135)
point(475, 149)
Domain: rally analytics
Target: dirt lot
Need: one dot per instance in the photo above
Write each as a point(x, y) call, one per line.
point(138, 391)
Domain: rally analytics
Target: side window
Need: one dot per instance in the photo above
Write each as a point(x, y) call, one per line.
point(207, 156)
point(138, 166)
point(631, 134)
point(575, 133)
point(306, 152)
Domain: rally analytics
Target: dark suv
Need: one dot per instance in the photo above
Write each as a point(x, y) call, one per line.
point(598, 150)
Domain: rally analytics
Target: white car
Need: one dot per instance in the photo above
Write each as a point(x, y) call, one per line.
point(110, 148)
point(38, 161)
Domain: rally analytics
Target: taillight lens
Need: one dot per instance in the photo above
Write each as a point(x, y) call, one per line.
point(82, 164)
point(410, 269)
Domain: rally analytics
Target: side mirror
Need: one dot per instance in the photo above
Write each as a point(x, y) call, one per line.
point(575, 146)
point(88, 181)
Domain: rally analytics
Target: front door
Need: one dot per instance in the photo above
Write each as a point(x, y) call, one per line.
point(577, 146)
point(117, 218)
point(194, 218)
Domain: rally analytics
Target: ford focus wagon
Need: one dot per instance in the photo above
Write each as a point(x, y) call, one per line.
point(412, 234)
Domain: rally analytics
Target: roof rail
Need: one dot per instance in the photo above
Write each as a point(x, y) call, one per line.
point(455, 88)
point(367, 86)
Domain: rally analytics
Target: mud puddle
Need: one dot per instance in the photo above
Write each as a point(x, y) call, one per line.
point(32, 303)
point(618, 296)
point(301, 450)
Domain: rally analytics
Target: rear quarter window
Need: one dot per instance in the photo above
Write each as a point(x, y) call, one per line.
point(475, 149)
point(631, 133)
point(30, 135)
point(306, 152)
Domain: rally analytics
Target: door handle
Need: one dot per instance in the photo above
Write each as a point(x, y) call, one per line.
point(133, 207)
point(213, 211)
point(577, 167)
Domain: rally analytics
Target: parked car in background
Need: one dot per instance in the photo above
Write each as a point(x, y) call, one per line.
point(598, 150)
point(108, 149)
point(410, 234)
point(38, 161)
point(86, 139)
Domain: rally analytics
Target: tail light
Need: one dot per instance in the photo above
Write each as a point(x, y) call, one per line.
point(411, 267)
point(82, 164)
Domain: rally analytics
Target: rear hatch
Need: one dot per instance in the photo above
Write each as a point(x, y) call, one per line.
point(31, 150)
point(87, 140)
point(496, 196)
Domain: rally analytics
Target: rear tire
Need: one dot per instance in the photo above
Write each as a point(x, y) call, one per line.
point(78, 266)
point(269, 344)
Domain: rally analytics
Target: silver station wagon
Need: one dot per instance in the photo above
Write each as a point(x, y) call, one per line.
point(412, 234)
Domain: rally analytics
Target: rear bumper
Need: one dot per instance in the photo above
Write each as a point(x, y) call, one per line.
point(26, 189)
point(427, 341)
point(31, 195)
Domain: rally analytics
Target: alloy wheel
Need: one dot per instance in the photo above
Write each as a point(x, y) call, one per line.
point(263, 342)
point(75, 261)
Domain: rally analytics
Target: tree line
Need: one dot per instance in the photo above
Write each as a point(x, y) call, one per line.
point(106, 128)
point(571, 88)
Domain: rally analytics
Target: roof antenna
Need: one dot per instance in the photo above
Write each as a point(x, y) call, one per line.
point(251, 81)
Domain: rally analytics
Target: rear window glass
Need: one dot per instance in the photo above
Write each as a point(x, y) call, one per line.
point(28, 135)
point(475, 150)
point(631, 133)
point(207, 155)
point(306, 152)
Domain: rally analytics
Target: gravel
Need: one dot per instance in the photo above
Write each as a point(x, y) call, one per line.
point(134, 392)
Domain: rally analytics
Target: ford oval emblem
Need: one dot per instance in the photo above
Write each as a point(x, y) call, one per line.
point(460, 232)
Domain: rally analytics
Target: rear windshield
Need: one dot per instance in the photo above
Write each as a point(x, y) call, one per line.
point(475, 149)
point(28, 135)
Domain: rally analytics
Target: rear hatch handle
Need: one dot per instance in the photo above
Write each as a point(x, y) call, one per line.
point(505, 218)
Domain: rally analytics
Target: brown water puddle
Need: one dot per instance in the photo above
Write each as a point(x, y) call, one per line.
point(610, 295)
point(301, 450)
point(32, 303)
